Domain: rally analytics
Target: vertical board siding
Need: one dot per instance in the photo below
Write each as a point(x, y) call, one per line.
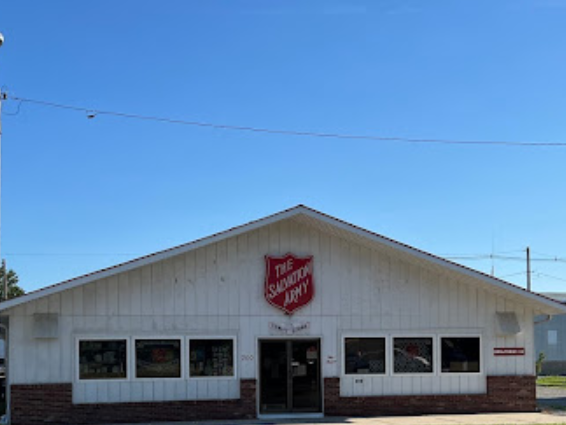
point(218, 290)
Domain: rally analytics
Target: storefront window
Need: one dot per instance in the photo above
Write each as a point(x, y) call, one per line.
point(461, 355)
point(158, 358)
point(103, 359)
point(412, 355)
point(211, 357)
point(364, 355)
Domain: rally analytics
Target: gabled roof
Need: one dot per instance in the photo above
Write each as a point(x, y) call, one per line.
point(311, 216)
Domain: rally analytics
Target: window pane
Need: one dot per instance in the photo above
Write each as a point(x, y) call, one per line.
point(102, 359)
point(158, 358)
point(365, 355)
point(212, 357)
point(412, 355)
point(552, 337)
point(461, 355)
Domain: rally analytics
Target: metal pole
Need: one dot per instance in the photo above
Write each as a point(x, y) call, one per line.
point(4, 280)
point(2, 97)
point(7, 395)
point(528, 269)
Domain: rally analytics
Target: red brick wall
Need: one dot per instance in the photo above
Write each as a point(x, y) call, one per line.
point(53, 403)
point(504, 394)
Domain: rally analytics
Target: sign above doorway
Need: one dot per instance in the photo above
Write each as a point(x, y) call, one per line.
point(288, 328)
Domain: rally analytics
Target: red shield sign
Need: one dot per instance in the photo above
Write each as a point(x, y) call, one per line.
point(288, 282)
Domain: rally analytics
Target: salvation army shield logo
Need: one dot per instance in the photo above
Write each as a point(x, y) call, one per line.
point(289, 283)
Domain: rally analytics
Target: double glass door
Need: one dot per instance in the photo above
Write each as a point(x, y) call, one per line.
point(290, 376)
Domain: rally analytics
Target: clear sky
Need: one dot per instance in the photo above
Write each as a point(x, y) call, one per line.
point(80, 194)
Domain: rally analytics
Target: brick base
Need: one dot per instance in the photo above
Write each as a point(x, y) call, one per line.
point(53, 403)
point(504, 394)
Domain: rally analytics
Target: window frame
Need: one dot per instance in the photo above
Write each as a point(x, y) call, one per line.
point(77, 360)
point(183, 366)
point(453, 335)
point(232, 338)
point(362, 335)
point(434, 345)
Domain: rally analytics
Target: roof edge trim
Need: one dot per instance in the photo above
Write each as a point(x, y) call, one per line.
point(150, 258)
point(253, 225)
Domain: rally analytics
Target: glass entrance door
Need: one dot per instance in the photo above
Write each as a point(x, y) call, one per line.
point(290, 376)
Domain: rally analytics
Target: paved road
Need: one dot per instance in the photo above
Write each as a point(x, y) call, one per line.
point(548, 398)
point(552, 397)
point(478, 419)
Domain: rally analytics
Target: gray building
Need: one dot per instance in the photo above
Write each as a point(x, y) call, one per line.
point(550, 339)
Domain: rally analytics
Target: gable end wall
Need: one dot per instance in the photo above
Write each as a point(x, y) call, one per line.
point(218, 290)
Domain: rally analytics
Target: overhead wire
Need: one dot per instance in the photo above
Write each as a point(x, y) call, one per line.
point(66, 254)
point(485, 257)
point(550, 276)
point(503, 258)
point(92, 112)
point(512, 274)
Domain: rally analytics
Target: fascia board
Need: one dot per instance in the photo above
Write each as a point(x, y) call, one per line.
point(555, 306)
point(150, 259)
point(390, 243)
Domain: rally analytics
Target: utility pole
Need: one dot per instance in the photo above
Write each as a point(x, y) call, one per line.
point(3, 97)
point(4, 280)
point(528, 269)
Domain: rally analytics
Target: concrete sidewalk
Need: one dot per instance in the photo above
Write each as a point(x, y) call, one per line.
point(476, 419)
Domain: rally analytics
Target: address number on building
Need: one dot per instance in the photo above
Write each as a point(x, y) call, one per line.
point(247, 357)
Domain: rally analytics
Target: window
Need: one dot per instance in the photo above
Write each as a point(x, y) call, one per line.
point(211, 357)
point(103, 359)
point(158, 358)
point(460, 355)
point(412, 355)
point(552, 337)
point(364, 355)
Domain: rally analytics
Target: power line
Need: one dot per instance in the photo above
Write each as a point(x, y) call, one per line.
point(91, 113)
point(66, 254)
point(550, 276)
point(514, 251)
point(503, 258)
point(512, 274)
point(449, 257)
point(550, 257)
point(485, 257)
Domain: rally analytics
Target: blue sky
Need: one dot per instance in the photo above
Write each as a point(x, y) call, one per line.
point(80, 194)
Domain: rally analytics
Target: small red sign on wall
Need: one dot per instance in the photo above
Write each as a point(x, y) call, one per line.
point(289, 282)
point(508, 351)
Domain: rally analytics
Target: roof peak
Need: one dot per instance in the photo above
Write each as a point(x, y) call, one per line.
point(268, 220)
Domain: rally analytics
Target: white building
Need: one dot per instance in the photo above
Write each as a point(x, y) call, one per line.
point(550, 339)
point(199, 331)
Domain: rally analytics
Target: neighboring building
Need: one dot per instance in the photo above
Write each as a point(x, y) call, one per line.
point(550, 339)
point(298, 313)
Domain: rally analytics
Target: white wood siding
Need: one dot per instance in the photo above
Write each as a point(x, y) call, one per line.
point(218, 290)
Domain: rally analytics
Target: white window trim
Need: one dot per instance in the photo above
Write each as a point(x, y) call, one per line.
point(77, 359)
point(434, 339)
point(234, 340)
point(133, 357)
point(460, 335)
point(365, 335)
